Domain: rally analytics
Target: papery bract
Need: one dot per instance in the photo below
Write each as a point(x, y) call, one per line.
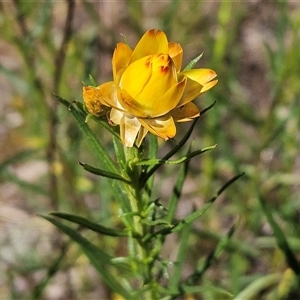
point(149, 92)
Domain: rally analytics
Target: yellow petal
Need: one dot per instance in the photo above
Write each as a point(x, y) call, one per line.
point(202, 76)
point(156, 106)
point(208, 86)
point(142, 133)
point(199, 81)
point(108, 92)
point(185, 113)
point(130, 104)
point(154, 96)
point(115, 116)
point(168, 101)
point(164, 126)
point(136, 76)
point(152, 42)
point(92, 100)
point(192, 91)
point(163, 77)
point(129, 128)
point(176, 53)
point(120, 60)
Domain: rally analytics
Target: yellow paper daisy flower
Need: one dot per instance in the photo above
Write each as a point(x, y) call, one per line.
point(149, 93)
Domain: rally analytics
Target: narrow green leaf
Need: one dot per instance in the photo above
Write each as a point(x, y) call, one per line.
point(93, 81)
point(200, 270)
point(178, 146)
point(99, 150)
point(195, 215)
point(99, 259)
point(157, 161)
point(193, 62)
point(119, 151)
point(80, 106)
point(156, 222)
point(175, 149)
point(103, 173)
point(90, 225)
point(103, 122)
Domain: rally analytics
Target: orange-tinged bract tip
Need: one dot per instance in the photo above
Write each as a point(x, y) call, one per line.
point(92, 100)
point(149, 93)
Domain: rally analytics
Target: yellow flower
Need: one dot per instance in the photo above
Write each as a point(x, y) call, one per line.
point(148, 91)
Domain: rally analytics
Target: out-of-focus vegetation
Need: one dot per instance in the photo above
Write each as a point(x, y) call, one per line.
point(49, 46)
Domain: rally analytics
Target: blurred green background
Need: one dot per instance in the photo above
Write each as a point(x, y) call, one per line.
point(52, 46)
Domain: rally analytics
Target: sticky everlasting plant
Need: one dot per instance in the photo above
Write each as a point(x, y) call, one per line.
point(149, 93)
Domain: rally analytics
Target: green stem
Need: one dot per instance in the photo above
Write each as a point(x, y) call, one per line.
point(138, 203)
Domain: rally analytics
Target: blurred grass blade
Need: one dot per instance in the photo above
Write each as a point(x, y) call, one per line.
point(195, 215)
point(103, 173)
point(281, 240)
point(16, 158)
point(198, 289)
point(233, 245)
point(180, 259)
point(13, 76)
point(199, 272)
point(171, 12)
point(253, 290)
point(38, 189)
point(98, 258)
point(54, 268)
point(90, 225)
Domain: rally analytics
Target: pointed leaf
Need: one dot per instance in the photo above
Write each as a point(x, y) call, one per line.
point(93, 81)
point(101, 153)
point(193, 62)
point(99, 259)
point(90, 225)
point(282, 241)
point(253, 290)
point(195, 215)
point(157, 161)
point(103, 173)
